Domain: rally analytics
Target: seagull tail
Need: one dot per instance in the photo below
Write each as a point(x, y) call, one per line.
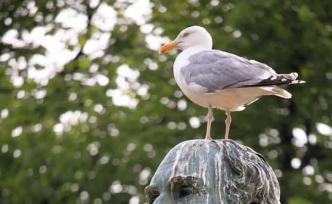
point(277, 91)
point(298, 82)
point(281, 93)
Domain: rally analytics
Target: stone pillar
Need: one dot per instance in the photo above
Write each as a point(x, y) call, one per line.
point(213, 172)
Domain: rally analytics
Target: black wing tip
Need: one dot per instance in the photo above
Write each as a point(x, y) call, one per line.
point(277, 81)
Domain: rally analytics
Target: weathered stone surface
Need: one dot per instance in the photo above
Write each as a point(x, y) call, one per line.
point(213, 172)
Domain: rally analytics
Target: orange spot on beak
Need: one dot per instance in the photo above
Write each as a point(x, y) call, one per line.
point(165, 48)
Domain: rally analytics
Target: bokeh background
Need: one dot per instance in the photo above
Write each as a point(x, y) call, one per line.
point(88, 108)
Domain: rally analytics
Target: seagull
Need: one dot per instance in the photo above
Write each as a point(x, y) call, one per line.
point(216, 79)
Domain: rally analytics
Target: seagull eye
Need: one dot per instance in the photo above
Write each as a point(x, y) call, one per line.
point(185, 35)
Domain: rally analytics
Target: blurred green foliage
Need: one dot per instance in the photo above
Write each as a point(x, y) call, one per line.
point(68, 137)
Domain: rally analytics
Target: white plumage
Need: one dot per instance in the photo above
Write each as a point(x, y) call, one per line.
point(217, 79)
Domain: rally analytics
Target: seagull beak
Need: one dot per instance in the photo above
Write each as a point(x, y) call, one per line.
point(167, 47)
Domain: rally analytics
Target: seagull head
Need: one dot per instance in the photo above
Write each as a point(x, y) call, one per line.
point(193, 36)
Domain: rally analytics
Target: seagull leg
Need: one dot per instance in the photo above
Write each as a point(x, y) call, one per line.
point(228, 122)
point(210, 119)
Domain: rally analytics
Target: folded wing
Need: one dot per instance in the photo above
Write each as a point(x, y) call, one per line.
point(216, 70)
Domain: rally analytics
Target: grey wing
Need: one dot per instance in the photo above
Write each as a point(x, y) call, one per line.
point(215, 70)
